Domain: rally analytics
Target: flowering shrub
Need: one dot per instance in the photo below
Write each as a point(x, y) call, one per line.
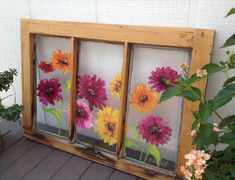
point(206, 161)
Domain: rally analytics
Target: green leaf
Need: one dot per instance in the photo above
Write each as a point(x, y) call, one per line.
point(231, 12)
point(212, 68)
point(227, 121)
point(229, 42)
point(68, 85)
point(174, 91)
point(192, 96)
point(228, 81)
point(155, 153)
point(206, 135)
point(224, 96)
point(193, 79)
point(205, 110)
point(230, 136)
point(55, 113)
point(232, 170)
point(129, 143)
point(136, 134)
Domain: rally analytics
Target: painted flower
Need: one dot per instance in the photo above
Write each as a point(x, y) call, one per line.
point(107, 124)
point(201, 73)
point(154, 130)
point(49, 91)
point(61, 60)
point(143, 98)
point(84, 117)
point(163, 78)
point(46, 67)
point(93, 90)
point(115, 86)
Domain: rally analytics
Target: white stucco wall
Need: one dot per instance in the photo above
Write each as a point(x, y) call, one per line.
point(181, 13)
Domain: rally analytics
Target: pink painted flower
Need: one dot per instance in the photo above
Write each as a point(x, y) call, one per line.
point(93, 90)
point(163, 78)
point(84, 117)
point(154, 130)
point(49, 91)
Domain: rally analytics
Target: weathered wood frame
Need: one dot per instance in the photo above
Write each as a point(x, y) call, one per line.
point(200, 41)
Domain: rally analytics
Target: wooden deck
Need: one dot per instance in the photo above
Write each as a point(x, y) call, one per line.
point(23, 159)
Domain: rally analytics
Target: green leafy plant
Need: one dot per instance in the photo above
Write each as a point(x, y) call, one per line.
point(208, 136)
point(11, 113)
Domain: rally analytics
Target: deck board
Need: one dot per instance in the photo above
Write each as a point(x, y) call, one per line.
point(21, 158)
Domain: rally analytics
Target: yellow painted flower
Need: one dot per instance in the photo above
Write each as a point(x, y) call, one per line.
point(107, 124)
point(115, 86)
point(143, 98)
point(61, 60)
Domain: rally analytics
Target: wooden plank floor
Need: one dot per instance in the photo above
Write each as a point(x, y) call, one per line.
point(23, 159)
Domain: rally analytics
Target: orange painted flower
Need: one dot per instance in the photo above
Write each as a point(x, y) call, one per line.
point(61, 60)
point(143, 98)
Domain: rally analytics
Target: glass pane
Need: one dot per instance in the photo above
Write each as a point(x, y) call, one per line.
point(153, 129)
point(53, 66)
point(98, 102)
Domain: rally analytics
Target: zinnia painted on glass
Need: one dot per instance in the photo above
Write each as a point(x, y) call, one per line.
point(163, 78)
point(93, 90)
point(115, 86)
point(143, 98)
point(154, 130)
point(61, 60)
point(84, 117)
point(46, 67)
point(49, 91)
point(107, 124)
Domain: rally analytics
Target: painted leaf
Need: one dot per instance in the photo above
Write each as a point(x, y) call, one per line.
point(129, 143)
point(68, 85)
point(155, 153)
point(54, 113)
point(136, 134)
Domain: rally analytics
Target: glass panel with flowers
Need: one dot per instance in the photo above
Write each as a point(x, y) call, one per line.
point(152, 132)
point(98, 98)
point(53, 71)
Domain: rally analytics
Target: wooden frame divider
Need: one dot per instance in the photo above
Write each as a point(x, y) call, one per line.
point(200, 41)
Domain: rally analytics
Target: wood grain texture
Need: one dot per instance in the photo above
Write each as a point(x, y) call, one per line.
point(201, 55)
point(73, 88)
point(117, 175)
point(46, 168)
point(73, 169)
point(200, 41)
point(123, 102)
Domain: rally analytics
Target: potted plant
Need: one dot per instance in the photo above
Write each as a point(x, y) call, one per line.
point(207, 161)
point(11, 113)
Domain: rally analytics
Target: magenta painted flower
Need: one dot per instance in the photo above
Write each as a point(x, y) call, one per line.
point(154, 130)
point(49, 91)
point(84, 117)
point(93, 90)
point(163, 78)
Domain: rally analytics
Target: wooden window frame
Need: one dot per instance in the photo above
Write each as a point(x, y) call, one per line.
point(200, 41)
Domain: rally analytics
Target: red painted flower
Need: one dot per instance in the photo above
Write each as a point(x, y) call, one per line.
point(46, 67)
point(163, 78)
point(93, 90)
point(49, 91)
point(154, 130)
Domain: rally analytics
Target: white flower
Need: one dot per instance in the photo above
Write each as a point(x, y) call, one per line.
point(201, 73)
point(184, 67)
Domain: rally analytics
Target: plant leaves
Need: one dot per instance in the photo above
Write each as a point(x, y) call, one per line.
point(191, 96)
point(55, 113)
point(174, 91)
point(224, 96)
point(228, 120)
point(228, 81)
point(136, 134)
point(193, 79)
point(68, 85)
point(231, 12)
point(205, 110)
point(229, 42)
point(212, 68)
point(155, 153)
